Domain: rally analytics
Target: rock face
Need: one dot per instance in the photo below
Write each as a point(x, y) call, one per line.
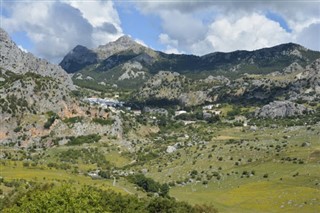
point(193, 98)
point(78, 58)
point(81, 56)
point(30, 87)
point(164, 85)
point(36, 83)
point(306, 84)
point(171, 149)
point(294, 67)
point(121, 44)
point(132, 70)
point(281, 109)
point(13, 59)
point(309, 78)
point(30, 84)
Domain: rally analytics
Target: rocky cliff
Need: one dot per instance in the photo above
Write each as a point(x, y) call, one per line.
point(78, 58)
point(81, 57)
point(29, 88)
point(13, 59)
point(282, 109)
point(38, 107)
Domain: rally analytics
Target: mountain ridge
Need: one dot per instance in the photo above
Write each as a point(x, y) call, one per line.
point(127, 64)
point(207, 62)
point(81, 56)
point(30, 86)
point(13, 59)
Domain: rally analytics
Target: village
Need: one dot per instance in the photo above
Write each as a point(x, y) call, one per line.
point(208, 112)
point(115, 105)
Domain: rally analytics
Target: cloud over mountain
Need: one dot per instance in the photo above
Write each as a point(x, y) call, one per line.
point(55, 27)
point(200, 27)
point(196, 27)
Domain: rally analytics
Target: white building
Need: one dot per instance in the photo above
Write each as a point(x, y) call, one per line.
point(136, 112)
point(216, 112)
point(180, 112)
point(104, 102)
point(208, 107)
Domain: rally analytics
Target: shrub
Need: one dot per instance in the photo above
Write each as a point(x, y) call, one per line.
point(25, 164)
point(52, 117)
point(84, 139)
point(73, 120)
point(66, 198)
point(149, 185)
point(103, 121)
point(105, 174)
point(194, 172)
point(17, 129)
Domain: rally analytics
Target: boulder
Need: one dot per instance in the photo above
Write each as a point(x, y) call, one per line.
point(281, 109)
point(171, 149)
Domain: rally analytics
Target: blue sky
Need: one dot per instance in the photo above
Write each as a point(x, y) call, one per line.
point(143, 27)
point(51, 28)
point(278, 18)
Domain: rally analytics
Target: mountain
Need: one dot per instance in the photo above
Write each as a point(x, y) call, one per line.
point(126, 64)
point(80, 56)
point(215, 132)
point(13, 59)
point(123, 43)
point(29, 88)
point(295, 84)
point(30, 84)
point(39, 103)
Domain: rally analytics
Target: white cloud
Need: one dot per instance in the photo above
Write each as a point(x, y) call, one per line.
point(23, 49)
point(55, 27)
point(201, 27)
point(152, 6)
point(201, 47)
point(97, 12)
point(184, 33)
point(140, 42)
point(182, 27)
point(310, 37)
point(299, 14)
point(46, 26)
point(249, 33)
point(196, 27)
point(169, 50)
point(165, 39)
point(103, 17)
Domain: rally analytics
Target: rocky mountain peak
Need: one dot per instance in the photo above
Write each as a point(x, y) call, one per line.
point(4, 37)
point(123, 43)
point(78, 57)
point(79, 48)
point(81, 56)
point(13, 59)
point(293, 49)
point(29, 85)
point(125, 40)
point(291, 45)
